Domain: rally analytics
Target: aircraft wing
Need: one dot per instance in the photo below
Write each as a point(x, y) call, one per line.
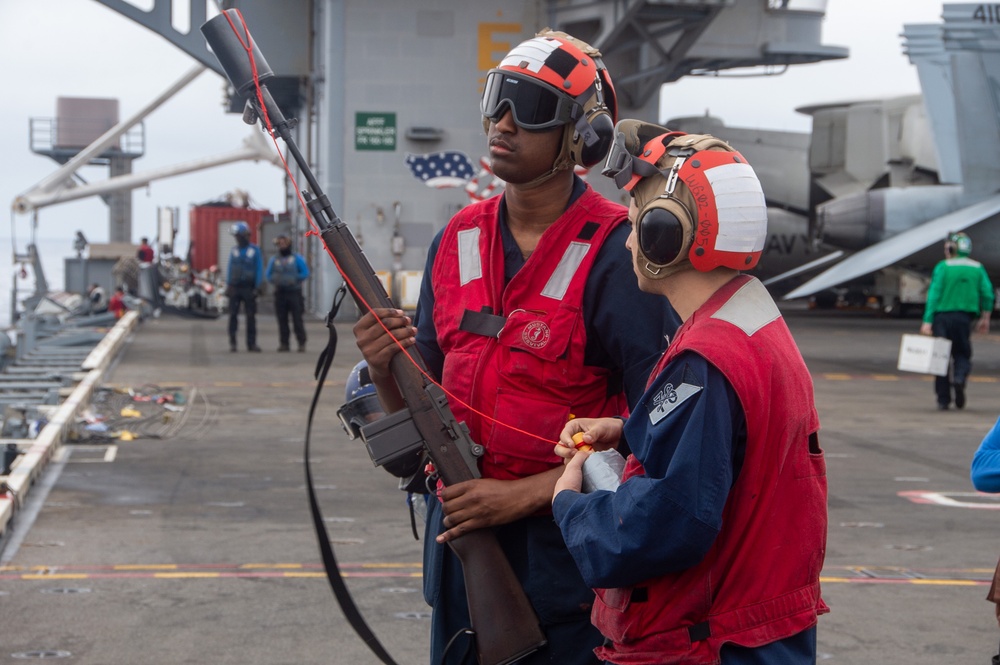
point(812, 265)
point(898, 247)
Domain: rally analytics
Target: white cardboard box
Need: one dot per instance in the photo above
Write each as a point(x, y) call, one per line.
point(924, 354)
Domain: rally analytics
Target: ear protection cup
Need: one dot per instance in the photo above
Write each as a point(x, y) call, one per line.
point(664, 230)
point(604, 127)
point(599, 115)
point(660, 235)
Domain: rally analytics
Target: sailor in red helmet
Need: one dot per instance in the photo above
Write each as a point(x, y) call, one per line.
point(527, 316)
point(710, 550)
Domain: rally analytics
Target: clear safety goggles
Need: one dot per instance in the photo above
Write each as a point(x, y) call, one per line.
point(621, 164)
point(618, 165)
point(534, 104)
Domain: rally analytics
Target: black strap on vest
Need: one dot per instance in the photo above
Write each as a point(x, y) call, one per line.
point(333, 574)
point(488, 324)
point(484, 322)
point(699, 631)
point(588, 231)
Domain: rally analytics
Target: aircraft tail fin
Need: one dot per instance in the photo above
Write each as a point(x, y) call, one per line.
point(958, 64)
point(970, 38)
point(924, 46)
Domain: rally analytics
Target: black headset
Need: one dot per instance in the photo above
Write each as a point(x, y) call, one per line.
point(660, 235)
point(663, 227)
point(601, 121)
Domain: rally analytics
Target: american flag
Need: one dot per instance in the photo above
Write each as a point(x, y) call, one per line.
point(484, 184)
point(441, 169)
point(454, 169)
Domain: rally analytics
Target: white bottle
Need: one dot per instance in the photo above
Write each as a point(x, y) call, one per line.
point(602, 470)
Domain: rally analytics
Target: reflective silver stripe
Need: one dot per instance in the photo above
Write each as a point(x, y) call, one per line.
point(563, 274)
point(750, 308)
point(470, 265)
point(963, 261)
point(741, 207)
point(530, 55)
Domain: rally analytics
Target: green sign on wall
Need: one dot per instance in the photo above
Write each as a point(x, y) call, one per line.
point(374, 131)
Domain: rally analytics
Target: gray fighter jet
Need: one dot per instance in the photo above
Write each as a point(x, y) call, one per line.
point(899, 214)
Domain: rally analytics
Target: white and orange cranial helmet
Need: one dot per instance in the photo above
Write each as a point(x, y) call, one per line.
point(698, 200)
point(551, 80)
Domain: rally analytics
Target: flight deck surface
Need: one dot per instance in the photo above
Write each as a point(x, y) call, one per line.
point(196, 546)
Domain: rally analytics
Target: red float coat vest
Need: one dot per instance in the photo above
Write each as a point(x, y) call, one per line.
point(528, 370)
point(759, 582)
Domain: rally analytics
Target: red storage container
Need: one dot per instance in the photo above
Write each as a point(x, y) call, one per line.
point(211, 240)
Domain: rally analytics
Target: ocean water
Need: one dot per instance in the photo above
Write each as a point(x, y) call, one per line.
point(19, 275)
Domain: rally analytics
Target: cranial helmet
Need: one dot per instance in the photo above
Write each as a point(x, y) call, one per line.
point(699, 201)
point(239, 229)
point(361, 404)
point(551, 80)
point(962, 242)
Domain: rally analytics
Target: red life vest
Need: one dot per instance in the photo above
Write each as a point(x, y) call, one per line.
point(759, 582)
point(516, 353)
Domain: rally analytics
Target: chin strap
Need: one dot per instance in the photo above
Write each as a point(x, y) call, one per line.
point(333, 574)
point(545, 177)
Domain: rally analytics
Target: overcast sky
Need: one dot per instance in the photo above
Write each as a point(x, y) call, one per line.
point(79, 48)
point(875, 68)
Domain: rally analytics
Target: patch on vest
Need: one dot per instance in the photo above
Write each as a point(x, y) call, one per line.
point(750, 308)
point(536, 334)
point(678, 388)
